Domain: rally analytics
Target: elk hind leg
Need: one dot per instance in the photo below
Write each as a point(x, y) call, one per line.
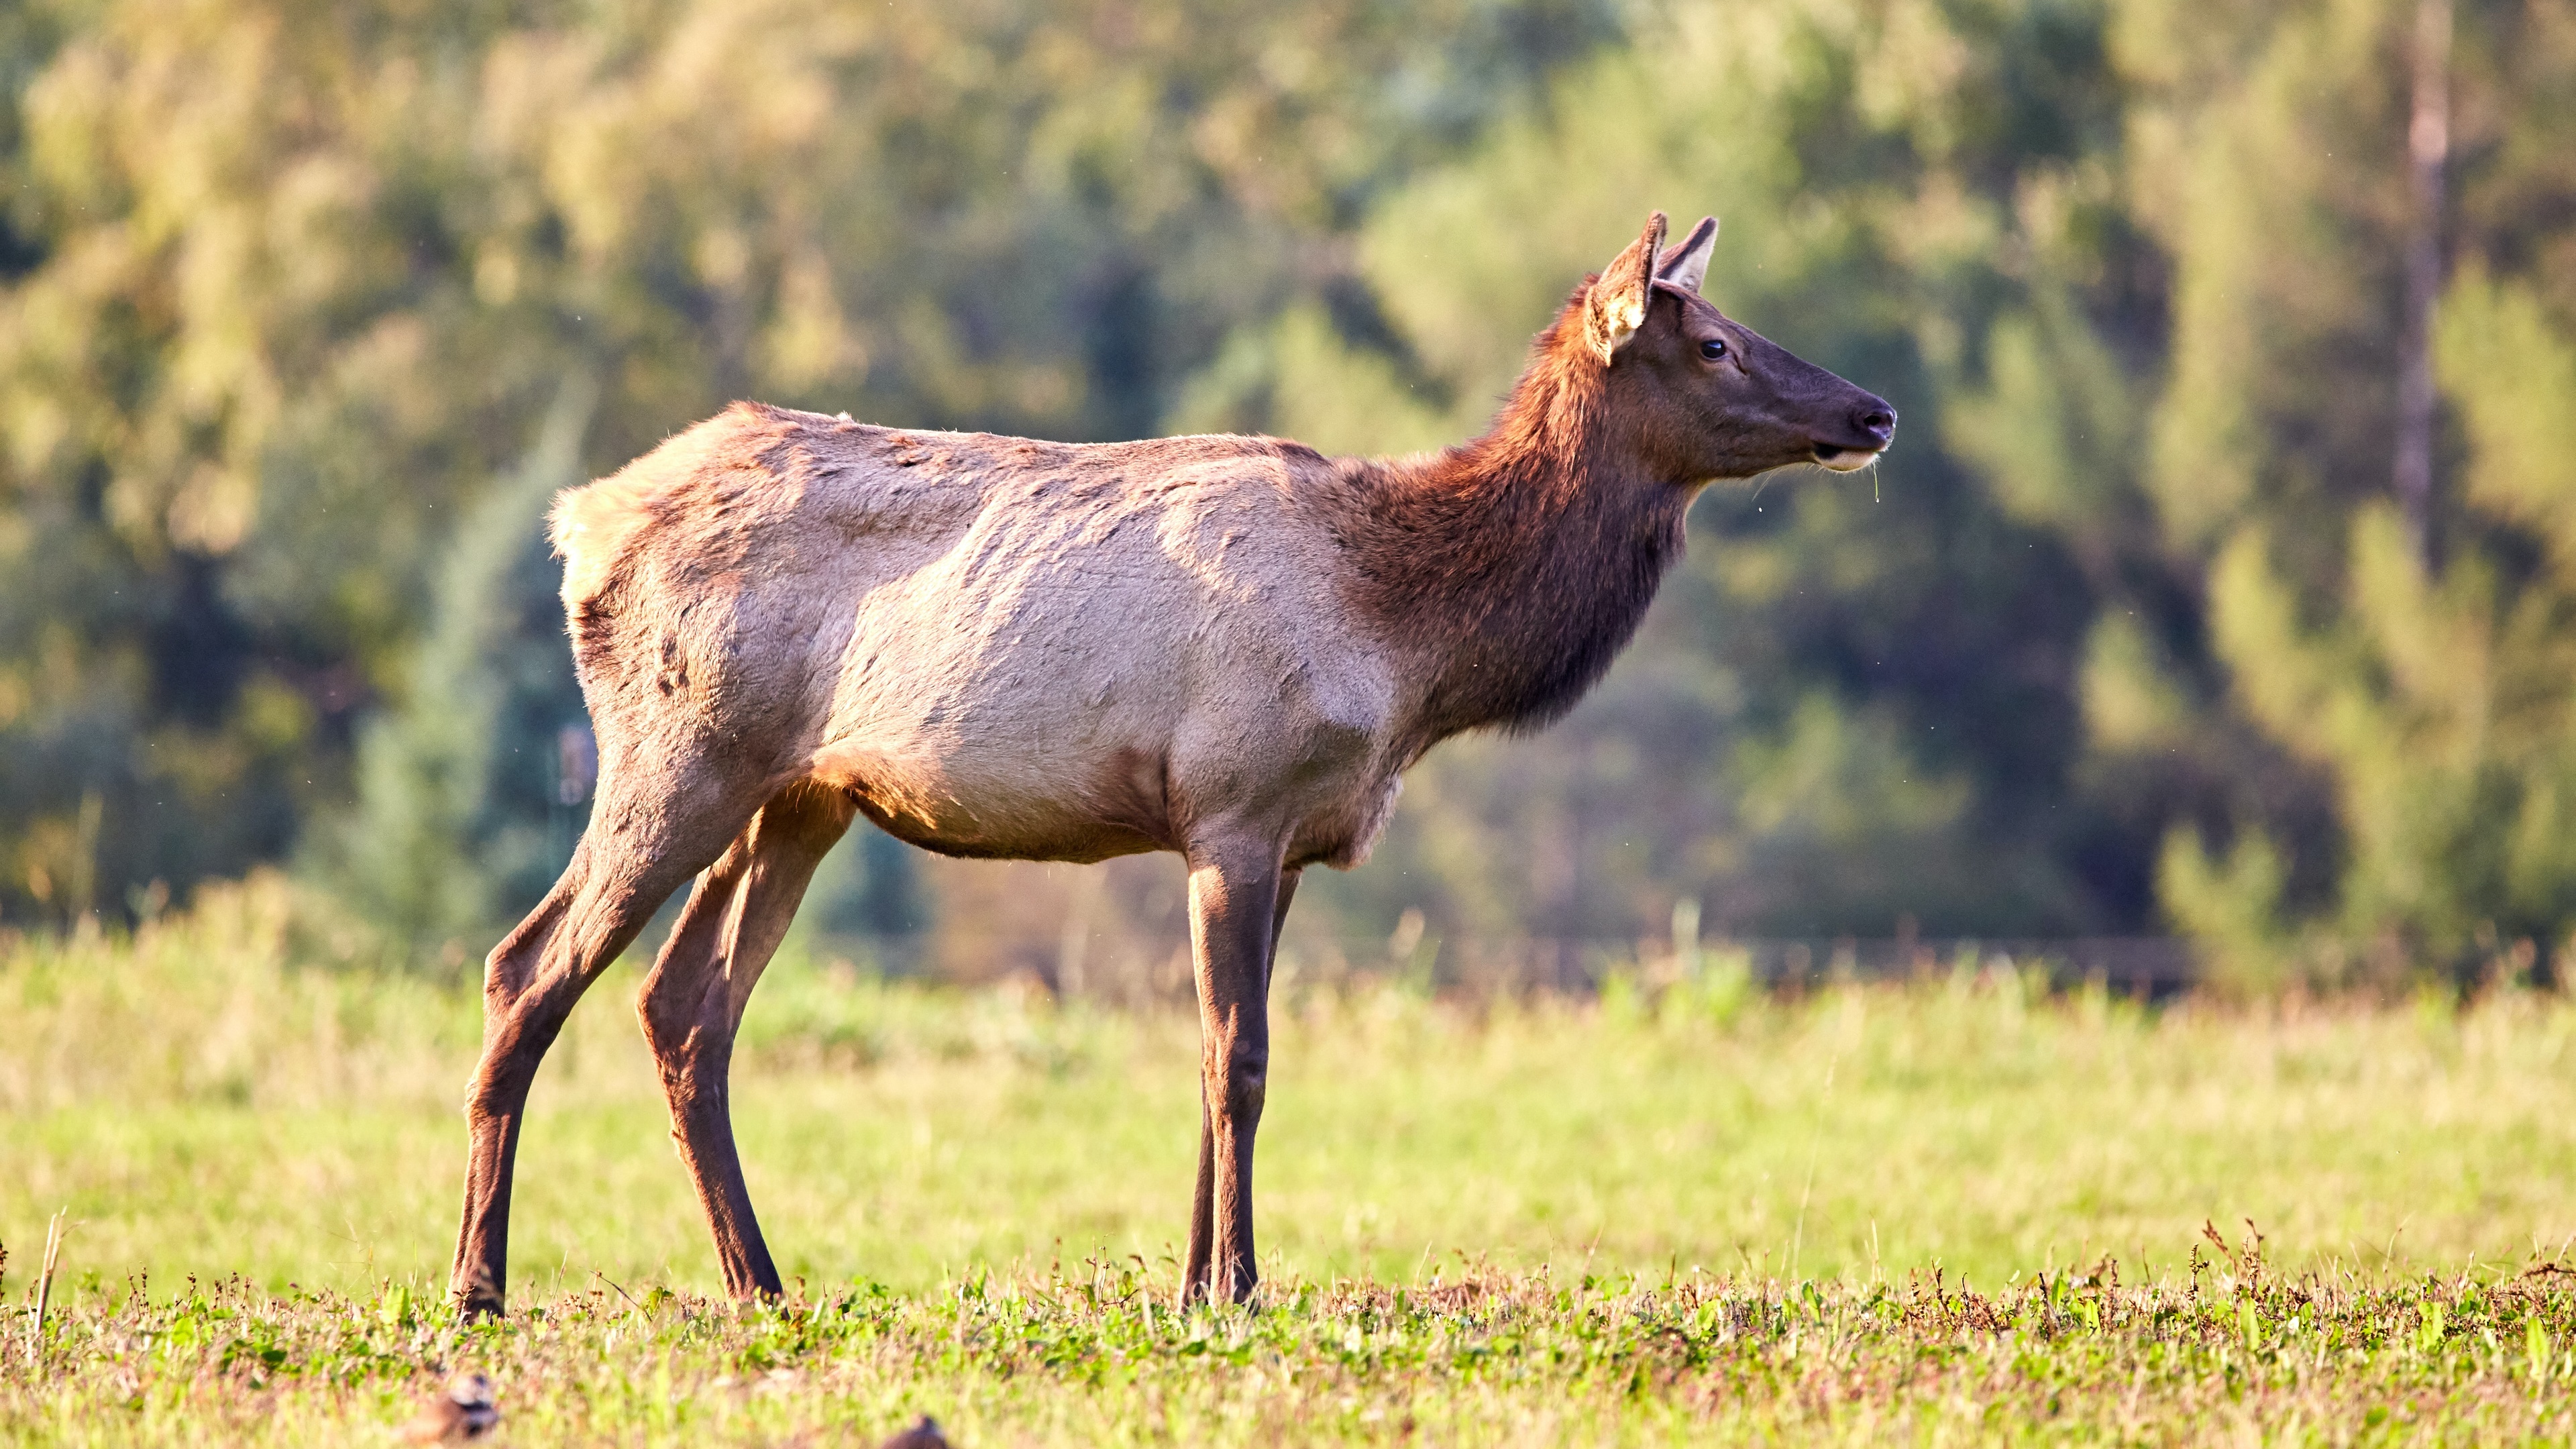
point(692, 1005)
point(647, 833)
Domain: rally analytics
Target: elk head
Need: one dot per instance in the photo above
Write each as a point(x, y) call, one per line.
point(1709, 397)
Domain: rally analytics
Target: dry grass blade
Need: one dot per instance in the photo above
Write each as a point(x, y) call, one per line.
point(45, 1288)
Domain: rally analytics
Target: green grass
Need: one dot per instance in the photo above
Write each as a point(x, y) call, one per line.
point(1874, 1213)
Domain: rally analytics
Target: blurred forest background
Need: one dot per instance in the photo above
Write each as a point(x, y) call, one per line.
point(2222, 580)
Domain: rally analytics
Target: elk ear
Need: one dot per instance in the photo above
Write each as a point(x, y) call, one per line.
point(1686, 266)
point(1616, 307)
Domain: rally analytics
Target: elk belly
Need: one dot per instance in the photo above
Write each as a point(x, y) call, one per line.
point(978, 807)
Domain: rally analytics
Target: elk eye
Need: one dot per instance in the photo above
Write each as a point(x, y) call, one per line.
point(1712, 349)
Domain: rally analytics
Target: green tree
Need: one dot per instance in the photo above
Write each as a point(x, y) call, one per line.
point(2396, 808)
point(2123, 633)
point(2438, 704)
point(459, 812)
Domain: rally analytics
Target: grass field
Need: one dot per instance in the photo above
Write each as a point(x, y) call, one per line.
point(1955, 1209)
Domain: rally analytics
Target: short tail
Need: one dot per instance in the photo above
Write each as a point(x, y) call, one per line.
point(591, 526)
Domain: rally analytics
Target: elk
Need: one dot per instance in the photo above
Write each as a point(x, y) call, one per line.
point(1230, 648)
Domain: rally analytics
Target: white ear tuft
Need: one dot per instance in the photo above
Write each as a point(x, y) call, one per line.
point(1620, 296)
point(1621, 318)
point(1687, 265)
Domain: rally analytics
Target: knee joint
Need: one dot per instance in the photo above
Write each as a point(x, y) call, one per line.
point(666, 1027)
point(1247, 1078)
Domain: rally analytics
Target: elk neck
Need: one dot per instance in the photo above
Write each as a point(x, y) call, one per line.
point(1514, 567)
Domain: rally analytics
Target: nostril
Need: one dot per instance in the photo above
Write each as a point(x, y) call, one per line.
point(1880, 421)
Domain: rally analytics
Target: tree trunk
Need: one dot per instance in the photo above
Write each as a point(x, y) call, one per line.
point(2428, 149)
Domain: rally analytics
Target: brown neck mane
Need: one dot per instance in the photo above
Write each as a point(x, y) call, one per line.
point(1520, 563)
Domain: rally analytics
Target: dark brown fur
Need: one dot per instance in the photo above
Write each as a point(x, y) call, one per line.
point(1530, 553)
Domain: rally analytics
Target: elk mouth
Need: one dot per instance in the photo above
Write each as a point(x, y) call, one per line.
point(1842, 459)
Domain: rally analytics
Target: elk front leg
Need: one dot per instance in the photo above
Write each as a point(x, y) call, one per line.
point(1237, 901)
